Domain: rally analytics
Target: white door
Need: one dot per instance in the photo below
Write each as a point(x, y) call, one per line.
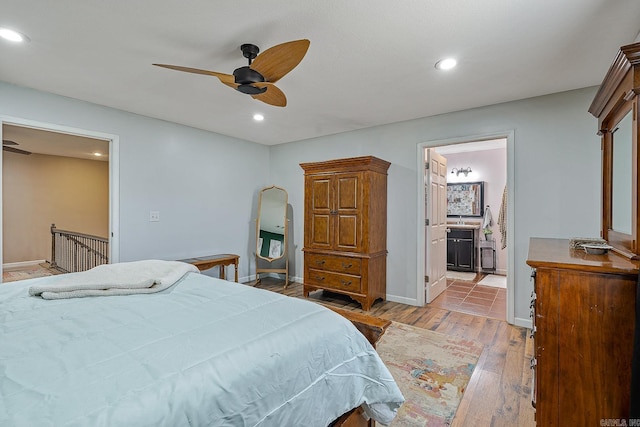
point(436, 224)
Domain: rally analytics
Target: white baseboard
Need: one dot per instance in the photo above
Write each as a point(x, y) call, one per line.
point(525, 323)
point(402, 300)
point(22, 264)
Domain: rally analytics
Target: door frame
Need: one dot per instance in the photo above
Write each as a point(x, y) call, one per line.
point(510, 137)
point(114, 182)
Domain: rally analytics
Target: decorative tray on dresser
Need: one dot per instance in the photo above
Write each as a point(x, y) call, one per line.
point(583, 310)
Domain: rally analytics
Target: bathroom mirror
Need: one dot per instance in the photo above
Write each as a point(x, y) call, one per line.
point(271, 230)
point(465, 199)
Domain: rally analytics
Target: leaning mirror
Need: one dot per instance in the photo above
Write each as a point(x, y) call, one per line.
point(271, 229)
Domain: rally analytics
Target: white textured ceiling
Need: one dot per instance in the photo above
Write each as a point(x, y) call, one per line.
point(370, 61)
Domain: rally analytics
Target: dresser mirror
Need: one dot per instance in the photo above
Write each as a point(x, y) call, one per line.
point(616, 108)
point(621, 191)
point(271, 230)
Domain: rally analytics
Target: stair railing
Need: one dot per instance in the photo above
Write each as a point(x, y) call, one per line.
point(72, 252)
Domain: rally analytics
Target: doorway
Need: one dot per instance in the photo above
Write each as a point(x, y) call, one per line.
point(478, 210)
point(50, 146)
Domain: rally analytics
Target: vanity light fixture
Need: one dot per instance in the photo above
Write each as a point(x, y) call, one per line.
point(258, 117)
point(466, 171)
point(12, 35)
point(446, 64)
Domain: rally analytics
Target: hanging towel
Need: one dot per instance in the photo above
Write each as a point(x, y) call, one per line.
point(487, 221)
point(502, 218)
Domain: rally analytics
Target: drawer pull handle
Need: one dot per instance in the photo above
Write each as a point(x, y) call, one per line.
point(319, 278)
point(345, 266)
point(320, 261)
point(345, 283)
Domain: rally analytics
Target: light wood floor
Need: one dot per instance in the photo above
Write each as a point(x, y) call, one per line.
point(499, 393)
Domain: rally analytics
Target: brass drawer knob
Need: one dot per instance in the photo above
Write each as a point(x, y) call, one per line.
point(319, 278)
point(320, 261)
point(345, 266)
point(345, 282)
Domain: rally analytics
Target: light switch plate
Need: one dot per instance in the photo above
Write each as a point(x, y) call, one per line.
point(154, 216)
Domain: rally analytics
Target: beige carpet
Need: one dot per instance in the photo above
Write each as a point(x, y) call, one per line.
point(432, 371)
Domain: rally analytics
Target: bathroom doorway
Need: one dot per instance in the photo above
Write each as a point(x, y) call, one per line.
point(478, 253)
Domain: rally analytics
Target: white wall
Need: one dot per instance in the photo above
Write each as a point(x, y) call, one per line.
point(556, 174)
point(205, 185)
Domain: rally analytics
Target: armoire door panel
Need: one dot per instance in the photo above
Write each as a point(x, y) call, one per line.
point(321, 231)
point(321, 194)
point(347, 233)
point(347, 191)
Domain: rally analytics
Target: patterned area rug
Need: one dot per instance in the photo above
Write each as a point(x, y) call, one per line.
point(432, 371)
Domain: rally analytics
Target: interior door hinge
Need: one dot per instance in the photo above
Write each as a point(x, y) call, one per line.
point(426, 222)
point(426, 166)
point(426, 279)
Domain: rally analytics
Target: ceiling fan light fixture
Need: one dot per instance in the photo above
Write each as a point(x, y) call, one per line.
point(12, 35)
point(446, 64)
point(251, 90)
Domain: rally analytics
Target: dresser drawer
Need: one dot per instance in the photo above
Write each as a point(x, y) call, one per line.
point(330, 280)
point(335, 263)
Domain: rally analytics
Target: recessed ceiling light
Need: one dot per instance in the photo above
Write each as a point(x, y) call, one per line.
point(97, 154)
point(12, 35)
point(446, 64)
point(258, 117)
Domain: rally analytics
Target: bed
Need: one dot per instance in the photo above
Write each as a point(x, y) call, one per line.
point(197, 352)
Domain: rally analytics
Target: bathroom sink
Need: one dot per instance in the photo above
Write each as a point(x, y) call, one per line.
point(472, 226)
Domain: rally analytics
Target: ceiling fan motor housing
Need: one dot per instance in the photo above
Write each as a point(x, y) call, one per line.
point(245, 76)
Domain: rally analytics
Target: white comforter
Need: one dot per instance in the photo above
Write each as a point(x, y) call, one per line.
point(205, 352)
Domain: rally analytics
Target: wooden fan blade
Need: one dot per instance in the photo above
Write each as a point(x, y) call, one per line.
point(278, 60)
point(7, 142)
point(227, 79)
point(15, 150)
point(272, 96)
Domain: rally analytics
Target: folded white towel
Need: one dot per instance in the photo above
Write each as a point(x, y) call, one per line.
point(488, 218)
point(126, 278)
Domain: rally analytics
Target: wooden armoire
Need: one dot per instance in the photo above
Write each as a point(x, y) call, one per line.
point(345, 228)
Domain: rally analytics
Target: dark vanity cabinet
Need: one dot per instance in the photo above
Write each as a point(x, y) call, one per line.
point(461, 244)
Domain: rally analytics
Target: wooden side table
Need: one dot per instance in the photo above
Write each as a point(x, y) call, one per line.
point(210, 261)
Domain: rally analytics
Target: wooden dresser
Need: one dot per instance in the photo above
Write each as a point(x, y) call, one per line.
point(583, 309)
point(345, 227)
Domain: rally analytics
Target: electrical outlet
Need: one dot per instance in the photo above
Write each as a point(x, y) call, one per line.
point(154, 216)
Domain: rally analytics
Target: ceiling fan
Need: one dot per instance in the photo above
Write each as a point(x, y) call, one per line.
point(7, 146)
point(258, 78)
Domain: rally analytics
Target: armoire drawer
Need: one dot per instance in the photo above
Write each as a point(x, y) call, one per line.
point(330, 280)
point(335, 263)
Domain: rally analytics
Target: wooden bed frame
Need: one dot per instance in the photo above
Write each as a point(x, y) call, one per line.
point(372, 328)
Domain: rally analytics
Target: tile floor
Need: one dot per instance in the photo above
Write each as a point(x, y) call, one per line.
point(469, 297)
